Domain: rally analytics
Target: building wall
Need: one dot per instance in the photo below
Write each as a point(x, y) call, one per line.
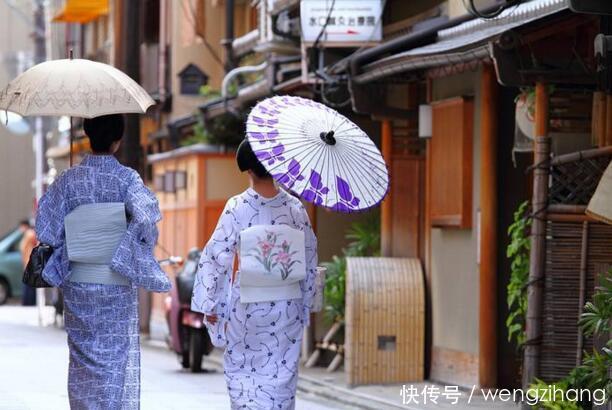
point(454, 268)
point(16, 155)
point(187, 47)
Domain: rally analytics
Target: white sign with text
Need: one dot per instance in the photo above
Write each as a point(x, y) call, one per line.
point(354, 21)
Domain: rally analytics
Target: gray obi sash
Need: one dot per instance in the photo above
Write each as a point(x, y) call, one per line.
point(93, 232)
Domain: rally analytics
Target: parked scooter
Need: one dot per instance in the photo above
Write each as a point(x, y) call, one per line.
point(188, 335)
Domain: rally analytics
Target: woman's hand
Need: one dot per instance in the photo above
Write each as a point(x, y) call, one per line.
point(212, 319)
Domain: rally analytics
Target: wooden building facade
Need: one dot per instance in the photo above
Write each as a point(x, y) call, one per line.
point(192, 185)
point(454, 208)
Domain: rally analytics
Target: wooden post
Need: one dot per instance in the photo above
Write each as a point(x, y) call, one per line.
point(598, 121)
point(584, 256)
point(538, 237)
point(308, 339)
point(427, 205)
point(386, 208)
point(608, 140)
point(487, 374)
point(427, 245)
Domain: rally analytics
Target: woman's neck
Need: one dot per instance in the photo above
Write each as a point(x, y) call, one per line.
point(264, 187)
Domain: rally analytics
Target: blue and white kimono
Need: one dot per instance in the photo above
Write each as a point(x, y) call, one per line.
point(261, 340)
point(101, 319)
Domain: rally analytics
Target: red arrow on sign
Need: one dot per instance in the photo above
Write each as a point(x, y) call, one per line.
point(349, 31)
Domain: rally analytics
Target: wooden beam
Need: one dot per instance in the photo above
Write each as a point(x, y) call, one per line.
point(565, 217)
point(487, 361)
point(581, 155)
point(386, 208)
point(537, 255)
point(566, 209)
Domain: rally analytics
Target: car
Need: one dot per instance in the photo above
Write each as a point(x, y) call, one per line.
point(11, 266)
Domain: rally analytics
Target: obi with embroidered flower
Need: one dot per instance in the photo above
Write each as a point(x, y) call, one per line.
point(272, 263)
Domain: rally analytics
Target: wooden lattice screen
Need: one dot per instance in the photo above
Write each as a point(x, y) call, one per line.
point(578, 250)
point(567, 287)
point(574, 183)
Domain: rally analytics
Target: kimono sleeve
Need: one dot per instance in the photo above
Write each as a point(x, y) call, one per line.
point(215, 267)
point(134, 257)
point(307, 285)
point(50, 230)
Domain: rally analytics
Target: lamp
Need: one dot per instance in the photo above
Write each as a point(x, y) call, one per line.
point(425, 121)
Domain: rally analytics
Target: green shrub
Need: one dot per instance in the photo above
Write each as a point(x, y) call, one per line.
point(227, 130)
point(549, 401)
point(364, 240)
point(518, 252)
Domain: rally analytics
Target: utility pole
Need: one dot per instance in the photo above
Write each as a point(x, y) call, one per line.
point(40, 55)
point(131, 152)
point(229, 35)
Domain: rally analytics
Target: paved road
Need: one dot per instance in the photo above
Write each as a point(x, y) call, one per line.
point(34, 365)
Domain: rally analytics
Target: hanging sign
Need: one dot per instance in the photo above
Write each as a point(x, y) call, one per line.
point(354, 21)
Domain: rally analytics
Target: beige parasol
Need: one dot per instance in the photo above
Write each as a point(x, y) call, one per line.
point(74, 87)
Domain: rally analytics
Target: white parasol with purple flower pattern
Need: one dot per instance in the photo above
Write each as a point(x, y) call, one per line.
point(317, 153)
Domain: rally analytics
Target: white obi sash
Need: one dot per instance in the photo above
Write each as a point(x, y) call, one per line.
point(272, 263)
point(93, 233)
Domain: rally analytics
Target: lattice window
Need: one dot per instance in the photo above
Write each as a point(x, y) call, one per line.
point(574, 183)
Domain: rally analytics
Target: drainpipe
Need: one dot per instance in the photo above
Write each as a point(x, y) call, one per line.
point(408, 41)
point(239, 71)
point(229, 35)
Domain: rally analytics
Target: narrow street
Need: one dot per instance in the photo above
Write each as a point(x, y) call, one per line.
point(397, 205)
point(34, 365)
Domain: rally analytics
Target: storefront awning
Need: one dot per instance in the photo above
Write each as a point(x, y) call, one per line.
point(463, 42)
point(246, 95)
point(81, 11)
point(183, 151)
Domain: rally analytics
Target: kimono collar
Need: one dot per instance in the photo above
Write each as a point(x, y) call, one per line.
point(253, 195)
point(98, 160)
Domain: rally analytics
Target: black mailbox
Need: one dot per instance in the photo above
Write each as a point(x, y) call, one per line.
point(192, 78)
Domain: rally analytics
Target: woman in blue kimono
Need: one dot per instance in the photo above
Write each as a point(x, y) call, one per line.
point(260, 326)
point(100, 219)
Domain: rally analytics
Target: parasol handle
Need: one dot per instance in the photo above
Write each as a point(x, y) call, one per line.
point(328, 137)
point(71, 138)
point(71, 56)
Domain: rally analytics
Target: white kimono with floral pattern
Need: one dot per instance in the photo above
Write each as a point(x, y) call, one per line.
point(261, 340)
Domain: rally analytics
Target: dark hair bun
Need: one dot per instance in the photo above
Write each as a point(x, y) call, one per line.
point(103, 131)
point(247, 160)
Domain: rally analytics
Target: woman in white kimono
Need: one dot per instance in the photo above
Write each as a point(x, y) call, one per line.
point(261, 339)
